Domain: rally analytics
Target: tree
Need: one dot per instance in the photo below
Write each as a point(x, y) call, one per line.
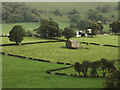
point(99, 8)
point(95, 16)
point(77, 66)
point(101, 27)
point(74, 11)
point(113, 79)
point(115, 25)
point(68, 33)
point(94, 67)
point(49, 29)
point(95, 28)
point(106, 66)
point(16, 34)
point(85, 66)
point(83, 24)
point(57, 12)
point(75, 18)
point(106, 8)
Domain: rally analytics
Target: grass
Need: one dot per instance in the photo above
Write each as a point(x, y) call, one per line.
point(57, 52)
point(106, 39)
point(22, 73)
point(26, 25)
point(5, 40)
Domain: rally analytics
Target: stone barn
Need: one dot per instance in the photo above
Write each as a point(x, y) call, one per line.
point(72, 44)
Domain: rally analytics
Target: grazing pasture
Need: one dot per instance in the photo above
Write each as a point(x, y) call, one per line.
point(5, 40)
point(56, 51)
point(32, 73)
point(104, 39)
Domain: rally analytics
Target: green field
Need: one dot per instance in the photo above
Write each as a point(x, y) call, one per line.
point(56, 51)
point(5, 40)
point(32, 73)
point(105, 39)
point(22, 73)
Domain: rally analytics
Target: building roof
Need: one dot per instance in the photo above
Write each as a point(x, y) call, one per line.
point(73, 41)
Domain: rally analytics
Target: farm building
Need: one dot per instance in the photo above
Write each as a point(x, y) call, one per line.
point(81, 33)
point(72, 44)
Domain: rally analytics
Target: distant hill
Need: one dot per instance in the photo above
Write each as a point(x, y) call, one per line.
point(35, 11)
point(65, 7)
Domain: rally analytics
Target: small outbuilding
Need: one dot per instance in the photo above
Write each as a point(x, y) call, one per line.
point(72, 44)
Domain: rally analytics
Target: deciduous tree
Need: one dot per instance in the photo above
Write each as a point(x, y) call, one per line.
point(16, 34)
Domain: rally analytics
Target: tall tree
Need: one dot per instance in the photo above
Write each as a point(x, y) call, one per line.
point(49, 29)
point(115, 25)
point(16, 34)
point(113, 80)
point(69, 33)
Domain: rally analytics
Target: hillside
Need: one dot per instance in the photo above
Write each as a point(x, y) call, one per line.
point(65, 7)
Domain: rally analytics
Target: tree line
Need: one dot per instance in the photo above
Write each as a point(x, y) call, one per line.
point(13, 12)
point(102, 66)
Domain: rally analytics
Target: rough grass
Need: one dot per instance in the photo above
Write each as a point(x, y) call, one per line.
point(22, 73)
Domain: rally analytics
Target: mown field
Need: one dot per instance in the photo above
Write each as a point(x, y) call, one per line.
point(23, 73)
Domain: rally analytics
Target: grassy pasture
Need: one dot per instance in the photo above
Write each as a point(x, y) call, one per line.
point(5, 40)
point(15, 71)
point(57, 52)
point(105, 39)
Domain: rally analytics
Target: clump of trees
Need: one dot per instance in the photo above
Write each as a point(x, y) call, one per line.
point(13, 12)
point(113, 79)
point(95, 28)
point(95, 16)
point(57, 13)
point(102, 66)
point(106, 8)
point(115, 26)
point(73, 12)
point(16, 34)
point(49, 29)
